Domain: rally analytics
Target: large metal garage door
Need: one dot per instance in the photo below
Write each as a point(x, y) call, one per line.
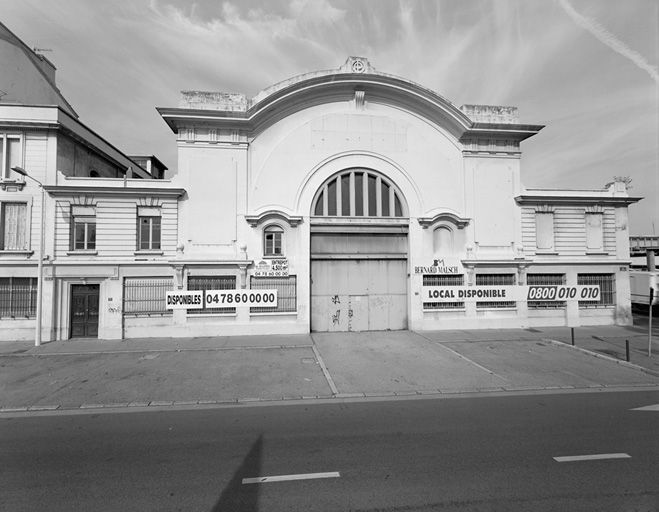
point(358, 281)
point(358, 295)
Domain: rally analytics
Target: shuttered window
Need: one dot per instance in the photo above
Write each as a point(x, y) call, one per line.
point(11, 154)
point(14, 226)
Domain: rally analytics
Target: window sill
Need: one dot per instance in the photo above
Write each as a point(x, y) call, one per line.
point(82, 252)
point(597, 253)
point(148, 252)
point(274, 257)
point(16, 252)
point(545, 253)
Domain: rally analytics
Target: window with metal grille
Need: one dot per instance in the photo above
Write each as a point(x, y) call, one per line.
point(546, 279)
point(495, 280)
point(212, 283)
point(286, 293)
point(13, 217)
point(443, 280)
point(18, 297)
point(607, 285)
point(358, 193)
point(147, 295)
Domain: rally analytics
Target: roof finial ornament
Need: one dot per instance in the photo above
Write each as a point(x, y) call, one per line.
point(357, 65)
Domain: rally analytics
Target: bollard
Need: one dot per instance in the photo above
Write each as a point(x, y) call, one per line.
point(627, 350)
point(572, 331)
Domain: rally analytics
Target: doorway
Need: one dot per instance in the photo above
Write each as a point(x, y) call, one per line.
point(84, 310)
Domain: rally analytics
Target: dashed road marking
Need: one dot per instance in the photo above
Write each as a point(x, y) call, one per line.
point(284, 478)
point(598, 456)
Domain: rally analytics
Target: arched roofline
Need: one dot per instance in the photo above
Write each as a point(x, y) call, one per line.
point(234, 111)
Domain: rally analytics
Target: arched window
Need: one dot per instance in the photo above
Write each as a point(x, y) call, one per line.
point(273, 237)
point(358, 193)
point(442, 240)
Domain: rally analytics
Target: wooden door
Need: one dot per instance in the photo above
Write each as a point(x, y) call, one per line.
point(84, 311)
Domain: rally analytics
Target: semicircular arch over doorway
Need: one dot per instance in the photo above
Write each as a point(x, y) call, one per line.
point(359, 250)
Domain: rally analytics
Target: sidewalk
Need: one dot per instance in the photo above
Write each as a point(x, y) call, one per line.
point(89, 374)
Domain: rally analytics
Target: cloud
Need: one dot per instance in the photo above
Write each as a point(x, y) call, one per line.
point(607, 38)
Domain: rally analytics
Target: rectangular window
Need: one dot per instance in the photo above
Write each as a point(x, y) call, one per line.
point(544, 231)
point(211, 283)
point(11, 154)
point(443, 280)
point(18, 297)
point(147, 295)
point(607, 283)
point(272, 241)
point(546, 279)
point(13, 217)
point(148, 228)
point(594, 233)
point(83, 228)
point(286, 293)
point(495, 280)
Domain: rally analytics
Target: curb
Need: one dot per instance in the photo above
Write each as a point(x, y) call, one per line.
point(339, 397)
point(602, 356)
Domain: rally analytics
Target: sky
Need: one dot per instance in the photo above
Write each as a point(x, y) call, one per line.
point(587, 69)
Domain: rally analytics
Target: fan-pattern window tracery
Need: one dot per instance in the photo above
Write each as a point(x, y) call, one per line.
point(358, 193)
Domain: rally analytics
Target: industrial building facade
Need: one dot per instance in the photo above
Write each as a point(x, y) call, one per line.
point(364, 200)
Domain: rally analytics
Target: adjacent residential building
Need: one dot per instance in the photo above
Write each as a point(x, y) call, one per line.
point(106, 219)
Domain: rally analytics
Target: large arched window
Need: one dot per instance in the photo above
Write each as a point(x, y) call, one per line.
point(358, 193)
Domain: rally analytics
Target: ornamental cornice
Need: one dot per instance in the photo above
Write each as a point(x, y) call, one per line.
point(460, 222)
point(270, 215)
point(524, 200)
point(68, 190)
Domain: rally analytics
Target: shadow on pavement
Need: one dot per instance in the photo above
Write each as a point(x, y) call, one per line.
point(236, 496)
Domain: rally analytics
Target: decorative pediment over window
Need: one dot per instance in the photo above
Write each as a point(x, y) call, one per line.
point(269, 215)
point(83, 200)
point(544, 208)
point(460, 222)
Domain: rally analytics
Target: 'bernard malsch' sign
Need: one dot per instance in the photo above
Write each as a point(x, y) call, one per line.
point(440, 266)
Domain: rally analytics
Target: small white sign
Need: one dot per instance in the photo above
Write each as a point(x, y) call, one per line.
point(185, 300)
point(276, 267)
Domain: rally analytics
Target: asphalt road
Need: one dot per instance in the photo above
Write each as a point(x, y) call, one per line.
point(468, 453)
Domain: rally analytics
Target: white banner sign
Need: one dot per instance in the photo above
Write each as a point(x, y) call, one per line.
point(276, 267)
point(510, 293)
point(202, 299)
